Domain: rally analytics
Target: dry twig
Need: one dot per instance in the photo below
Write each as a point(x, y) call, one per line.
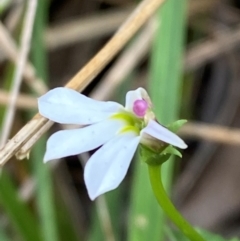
point(127, 61)
point(204, 51)
point(31, 130)
point(9, 48)
point(23, 101)
point(100, 25)
point(25, 46)
point(214, 133)
point(85, 29)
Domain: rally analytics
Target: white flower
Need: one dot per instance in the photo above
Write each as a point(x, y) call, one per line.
point(116, 128)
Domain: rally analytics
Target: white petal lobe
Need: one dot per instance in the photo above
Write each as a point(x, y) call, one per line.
point(108, 166)
point(161, 133)
point(131, 97)
point(72, 142)
point(67, 106)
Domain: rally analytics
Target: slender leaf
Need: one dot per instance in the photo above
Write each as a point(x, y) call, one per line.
point(147, 220)
point(17, 211)
point(45, 197)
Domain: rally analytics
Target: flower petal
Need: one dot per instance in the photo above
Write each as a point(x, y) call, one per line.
point(72, 142)
point(131, 97)
point(67, 106)
point(134, 95)
point(108, 166)
point(161, 133)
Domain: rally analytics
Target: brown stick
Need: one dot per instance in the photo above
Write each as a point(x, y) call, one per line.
point(9, 48)
point(103, 24)
point(214, 133)
point(141, 14)
point(26, 37)
point(24, 101)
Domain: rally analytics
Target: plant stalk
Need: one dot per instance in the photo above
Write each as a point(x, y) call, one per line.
point(167, 205)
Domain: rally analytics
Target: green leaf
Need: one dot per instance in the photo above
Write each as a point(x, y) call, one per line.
point(18, 213)
point(146, 218)
point(44, 194)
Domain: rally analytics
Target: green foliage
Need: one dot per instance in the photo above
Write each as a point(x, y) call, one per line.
point(24, 222)
point(146, 218)
point(44, 193)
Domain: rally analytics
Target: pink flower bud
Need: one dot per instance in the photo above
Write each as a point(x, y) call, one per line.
point(140, 107)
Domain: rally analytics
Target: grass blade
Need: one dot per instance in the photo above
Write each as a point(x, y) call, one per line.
point(18, 213)
point(45, 194)
point(147, 220)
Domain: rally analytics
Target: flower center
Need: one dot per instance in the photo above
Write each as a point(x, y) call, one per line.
point(132, 122)
point(140, 107)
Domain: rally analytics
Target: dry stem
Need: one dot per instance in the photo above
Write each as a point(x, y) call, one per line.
point(214, 133)
point(128, 60)
point(141, 14)
point(100, 25)
point(84, 29)
point(24, 101)
point(25, 46)
point(9, 48)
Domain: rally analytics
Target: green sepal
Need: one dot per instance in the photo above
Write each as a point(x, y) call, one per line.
point(176, 125)
point(172, 151)
point(157, 158)
point(151, 157)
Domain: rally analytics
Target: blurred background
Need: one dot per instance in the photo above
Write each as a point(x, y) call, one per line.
point(186, 56)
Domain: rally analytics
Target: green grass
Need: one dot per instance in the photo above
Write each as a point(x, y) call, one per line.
point(146, 218)
point(21, 218)
point(44, 190)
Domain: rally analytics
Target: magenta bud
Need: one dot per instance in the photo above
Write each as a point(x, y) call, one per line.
point(140, 107)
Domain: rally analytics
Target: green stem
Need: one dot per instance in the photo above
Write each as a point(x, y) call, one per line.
point(168, 207)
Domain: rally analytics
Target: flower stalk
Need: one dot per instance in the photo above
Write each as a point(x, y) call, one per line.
point(167, 205)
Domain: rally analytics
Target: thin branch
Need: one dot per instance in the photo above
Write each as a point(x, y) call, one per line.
point(9, 48)
point(214, 133)
point(141, 14)
point(85, 29)
point(25, 46)
point(127, 61)
point(99, 25)
point(205, 51)
point(23, 101)
point(89, 29)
